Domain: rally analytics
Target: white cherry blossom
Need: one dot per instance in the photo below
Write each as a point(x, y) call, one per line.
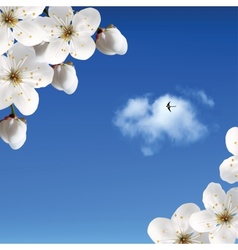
point(220, 219)
point(65, 78)
point(13, 131)
point(110, 41)
point(177, 229)
point(70, 33)
point(20, 74)
point(18, 22)
point(229, 167)
point(231, 140)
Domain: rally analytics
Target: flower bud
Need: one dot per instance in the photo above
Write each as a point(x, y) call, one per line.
point(110, 41)
point(65, 78)
point(13, 131)
point(231, 140)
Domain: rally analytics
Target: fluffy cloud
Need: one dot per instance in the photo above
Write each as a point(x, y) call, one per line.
point(154, 123)
point(200, 95)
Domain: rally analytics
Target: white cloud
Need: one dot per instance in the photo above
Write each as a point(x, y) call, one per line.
point(200, 95)
point(154, 123)
point(204, 98)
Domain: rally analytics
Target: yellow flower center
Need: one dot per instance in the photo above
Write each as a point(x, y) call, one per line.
point(9, 19)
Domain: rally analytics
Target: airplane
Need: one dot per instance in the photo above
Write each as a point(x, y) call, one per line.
point(169, 106)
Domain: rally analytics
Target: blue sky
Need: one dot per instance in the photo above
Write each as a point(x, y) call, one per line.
point(100, 164)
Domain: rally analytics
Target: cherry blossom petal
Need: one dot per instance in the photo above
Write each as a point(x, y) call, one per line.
point(222, 235)
point(5, 65)
point(229, 169)
point(232, 197)
point(3, 134)
point(82, 48)
point(16, 132)
point(112, 39)
point(233, 192)
point(180, 218)
point(40, 51)
point(38, 75)
point(65, 78)
point(22, 54)
point(57, 51)
point(26, 99)
point(6, 91)
point(86, 21)
point(101, 47)
point(48, 25)
point(124, 47)
point(27, 12)
point(61, 14)
point(6, 40)
point(231, 140)
point(28, 33)
point(18, 144)
point(203, 221)
point(161, 231)
point(213, 197)
point(111, 42)
point(200, 238)
point(13, 131)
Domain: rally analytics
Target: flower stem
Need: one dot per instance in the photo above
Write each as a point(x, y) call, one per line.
point(12, 110)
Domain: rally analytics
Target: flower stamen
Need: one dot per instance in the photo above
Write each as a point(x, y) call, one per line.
point(9, 19)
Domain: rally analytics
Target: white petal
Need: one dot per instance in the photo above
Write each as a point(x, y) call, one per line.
point(16, 131)
point(86, 21)
point(18, 144)
point(180, 218)
point(6, 40)
point(213, 197)
point(13, 132)
point(101, 47)
point(72, 88)
point(229, 170)
point(29, 33)
point(65, 78)
point(6, 90)
point(5, 65)
point(82, 48)
point(57, 51)
point(22, 53)
point(48, 25)
point(40, 51)
point(38, 75)
point(61, 14)
point(233, 193)
point(26, 99)
point(203, 221)
point(111, 40)
point(221, 235)
point(231, 140)
point(3, 131)
point(28, 12)
point(124, 47)
point(200, 238)
point(232, 204)
point(161, 231)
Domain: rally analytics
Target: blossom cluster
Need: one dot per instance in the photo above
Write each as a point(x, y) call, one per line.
point(35, 42)
point(218, 222)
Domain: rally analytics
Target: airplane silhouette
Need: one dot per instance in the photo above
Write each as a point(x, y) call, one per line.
point(169, 106)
